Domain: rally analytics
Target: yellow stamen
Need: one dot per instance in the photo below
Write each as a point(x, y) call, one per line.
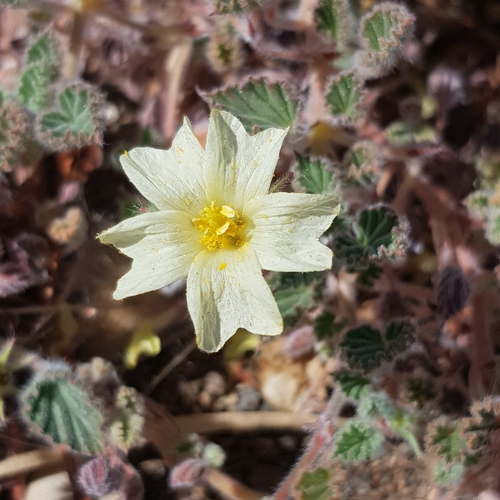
point(220, 226)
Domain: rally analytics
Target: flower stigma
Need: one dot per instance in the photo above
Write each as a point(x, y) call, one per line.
point(221, 227)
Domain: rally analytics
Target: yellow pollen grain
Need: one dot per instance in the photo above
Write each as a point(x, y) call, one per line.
point(222, 266)
point(180, 150)
point(221, 227)
point(125, 152)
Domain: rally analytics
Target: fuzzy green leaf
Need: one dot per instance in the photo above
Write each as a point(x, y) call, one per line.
point(368, 275)
point(493, 225)
point(374, 228)
point(344, 97)
point(401, 133)
point(377, 234)
point(479, 201)
point(363, 163)
point(259, 104)
point(325, 326)
point(41, 70)
point(449, 442)
point(33, 88)
point(357, 441)
point(448, 474)
point(315, 485)
point(364, 345)
point(398, 336)
point(314, 178)
point(73, 115)
point(57, 407)
point(335, 17)
point(354, 385)
point(386, 26)
point(44, 50)
point(290, 299)
point(75, 122)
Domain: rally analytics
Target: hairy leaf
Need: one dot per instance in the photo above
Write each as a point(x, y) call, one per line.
point(75, 122)
point(315, 485)
point(57, 407)
point(448, 441)
point(344, 97)
point(353, 383)
point(290, 299)
point(364, 345)
point(259, 104)
point(314, 178)
point(326, 327)
point(357, 441)
point(335, 17)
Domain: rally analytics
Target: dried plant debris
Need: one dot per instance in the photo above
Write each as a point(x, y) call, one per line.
point(324, 171)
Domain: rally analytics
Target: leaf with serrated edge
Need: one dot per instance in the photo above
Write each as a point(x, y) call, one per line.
point(289, 299)
point(335, 17)
point(364, 344)
point(75, 122)
point(259, 104)
point(357, 441)
point(315, 485)
point(314, 178)
point(344, 97)
point(353, 384)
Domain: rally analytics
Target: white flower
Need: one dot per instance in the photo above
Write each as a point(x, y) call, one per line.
point(218, 225)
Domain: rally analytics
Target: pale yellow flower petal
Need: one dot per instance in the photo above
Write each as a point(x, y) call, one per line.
point(286, 230)
point(226, 291)
point(170, 179)
point(239, 167)
point(163, 246)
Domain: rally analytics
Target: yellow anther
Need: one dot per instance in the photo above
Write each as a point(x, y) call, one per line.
point(220, 227)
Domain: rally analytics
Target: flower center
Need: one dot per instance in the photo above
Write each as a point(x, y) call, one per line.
point(220, 226)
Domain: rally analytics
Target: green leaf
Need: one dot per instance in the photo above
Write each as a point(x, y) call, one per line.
point(368, 275)
point(56, 406)
point(344, 97)
point(377, 405)
point(315, 485)
point(364, 345)
point(378, 234)
point(76, 120)
point(73, 115)
point(479, 201)
point(290, 299)
point(400, 133)
point(357, 441)
point(354, 385)
point(44, 50)
point(314, 178)
point(398, 336)
point(448, 441)
point(259, 104)
point(448, 474)
point(386, 27)
point(493, 226)
point(325, 326)
point(41, 70)
point(33, 88)
point(374, 228)
point(363, 163)
point(335, 17)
